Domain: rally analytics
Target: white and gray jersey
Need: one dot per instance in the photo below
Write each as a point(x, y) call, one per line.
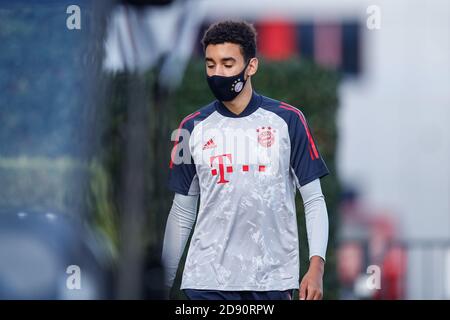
point(246, 169)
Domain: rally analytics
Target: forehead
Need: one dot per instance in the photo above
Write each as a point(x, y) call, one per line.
point(223, 50)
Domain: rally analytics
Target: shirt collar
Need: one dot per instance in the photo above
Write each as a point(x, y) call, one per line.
point(254, 104)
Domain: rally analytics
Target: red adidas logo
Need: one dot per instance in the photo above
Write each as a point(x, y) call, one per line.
point(209, 145)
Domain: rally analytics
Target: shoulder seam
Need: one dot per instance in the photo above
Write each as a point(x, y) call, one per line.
point(313, 149)
point(196, 113)
point(175, 143)
point(312, 146)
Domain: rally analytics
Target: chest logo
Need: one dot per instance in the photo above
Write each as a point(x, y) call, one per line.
point(266, 136)
point(223, 164)
point(209, 145)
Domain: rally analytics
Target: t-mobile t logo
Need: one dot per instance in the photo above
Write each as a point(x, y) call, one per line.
point(228, 167)
point(220, 160)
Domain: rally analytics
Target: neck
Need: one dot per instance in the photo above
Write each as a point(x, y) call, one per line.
point(238, 104)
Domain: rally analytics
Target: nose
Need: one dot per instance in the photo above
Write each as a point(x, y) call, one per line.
point(218, 71)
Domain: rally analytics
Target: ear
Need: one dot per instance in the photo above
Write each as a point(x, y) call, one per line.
point(252, 67)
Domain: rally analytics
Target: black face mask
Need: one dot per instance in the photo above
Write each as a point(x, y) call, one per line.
point(227, 88)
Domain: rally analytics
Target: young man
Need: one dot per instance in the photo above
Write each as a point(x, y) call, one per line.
point(244, 155)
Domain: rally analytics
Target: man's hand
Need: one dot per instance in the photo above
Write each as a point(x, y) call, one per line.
point(311, 287)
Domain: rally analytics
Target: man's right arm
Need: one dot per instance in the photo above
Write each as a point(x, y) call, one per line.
point(178, 228)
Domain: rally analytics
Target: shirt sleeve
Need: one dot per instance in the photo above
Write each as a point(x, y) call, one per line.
point(306, 161)
point(316, 217)
point(183, 177)
point(178, 228)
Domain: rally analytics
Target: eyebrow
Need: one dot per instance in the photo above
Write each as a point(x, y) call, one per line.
point(223, 60)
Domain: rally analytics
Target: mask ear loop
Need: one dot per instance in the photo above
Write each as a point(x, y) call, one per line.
point(246, 66)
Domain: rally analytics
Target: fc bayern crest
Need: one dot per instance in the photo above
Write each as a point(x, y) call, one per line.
point(266, 136)
point(237, 86)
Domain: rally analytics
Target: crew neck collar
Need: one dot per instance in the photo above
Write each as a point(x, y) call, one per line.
point(254, 104)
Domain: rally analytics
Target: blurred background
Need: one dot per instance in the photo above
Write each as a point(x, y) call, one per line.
point(90, 92)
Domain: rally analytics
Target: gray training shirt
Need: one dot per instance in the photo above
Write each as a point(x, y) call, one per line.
point(246, 169)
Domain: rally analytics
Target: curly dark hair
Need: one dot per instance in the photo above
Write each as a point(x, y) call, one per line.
point(237, 32)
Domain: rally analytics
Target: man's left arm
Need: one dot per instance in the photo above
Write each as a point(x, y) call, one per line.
point(316, 216)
